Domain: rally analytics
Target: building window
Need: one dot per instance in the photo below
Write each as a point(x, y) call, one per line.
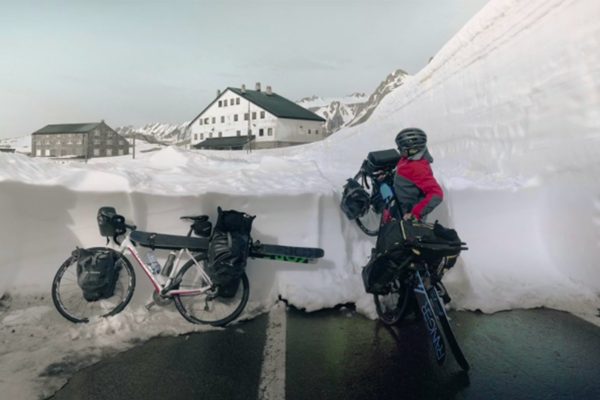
point(121, 152)
point(96, 152)
point(195, 137)
point(238, 133)
point(214, 119)
point(38, 152)
point(206, 121)
point(225, 103)
point(210, 134)
point(235, 117)
point(245, 116)
point(262, 114)
point(109, 152)
point(222, 118)
point(309, 131)
point(220, 134)
point(261, 132)
point(220, 103)
point(249, 131)
point(316, 131)
point(200, 121)
point(202, 136)
point(253, 114)
point(237, 101)
point(269, 131)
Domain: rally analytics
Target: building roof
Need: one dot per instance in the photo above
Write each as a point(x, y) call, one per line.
point(68, 128)
point(275, 104)
point(225, 142)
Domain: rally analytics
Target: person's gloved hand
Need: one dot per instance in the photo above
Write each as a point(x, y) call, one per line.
point(409, 217)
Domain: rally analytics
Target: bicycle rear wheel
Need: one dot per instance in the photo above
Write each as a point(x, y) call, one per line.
point(392, 307)
point(68, 298)
point(208, 308)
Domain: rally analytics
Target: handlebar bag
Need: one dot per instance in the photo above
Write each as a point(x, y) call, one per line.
point(110, 223)
point(97, 273)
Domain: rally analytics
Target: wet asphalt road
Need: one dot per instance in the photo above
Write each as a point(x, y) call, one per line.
point(337, 354)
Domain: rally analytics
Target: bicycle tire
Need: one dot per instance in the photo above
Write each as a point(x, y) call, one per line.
point(459, 356)
point(65, 291)
point(363, 225)
point(399, 306)
point(188, 305)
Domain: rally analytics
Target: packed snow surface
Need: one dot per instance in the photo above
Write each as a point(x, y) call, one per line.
point(511, 105)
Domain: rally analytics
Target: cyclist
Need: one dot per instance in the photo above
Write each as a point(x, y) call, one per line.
point(416, 189)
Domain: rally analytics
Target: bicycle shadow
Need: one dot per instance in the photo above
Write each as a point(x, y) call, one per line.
point(420, 375)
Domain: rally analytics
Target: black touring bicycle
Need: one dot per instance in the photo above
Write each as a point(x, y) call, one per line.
point(203, 274)
point(405, 270)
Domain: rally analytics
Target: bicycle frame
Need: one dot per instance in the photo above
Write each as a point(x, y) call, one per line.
point(126, 245)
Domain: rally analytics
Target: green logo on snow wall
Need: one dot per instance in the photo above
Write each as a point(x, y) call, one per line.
point(300, 260)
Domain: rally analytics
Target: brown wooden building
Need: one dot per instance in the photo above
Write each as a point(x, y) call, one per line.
point(87, 140)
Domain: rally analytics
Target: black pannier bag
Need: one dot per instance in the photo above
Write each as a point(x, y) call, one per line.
point(355, 200)
point(228, 250)
point(110, 223)
point(97, 272)
point(399, 243)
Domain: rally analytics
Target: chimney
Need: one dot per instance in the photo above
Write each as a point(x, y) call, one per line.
point(243, 89)
point(218, 92)
point(258, 86)
point(269, 91)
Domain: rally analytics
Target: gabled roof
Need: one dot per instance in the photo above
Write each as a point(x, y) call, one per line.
point(225, 142)
point(68, 128)
point(275, 104)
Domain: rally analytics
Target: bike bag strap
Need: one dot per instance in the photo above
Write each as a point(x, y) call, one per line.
point(168, 242)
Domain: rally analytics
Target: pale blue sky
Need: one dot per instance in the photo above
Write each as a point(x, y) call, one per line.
point(136, 62)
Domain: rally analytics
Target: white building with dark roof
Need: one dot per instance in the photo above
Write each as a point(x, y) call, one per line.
point(241, 119)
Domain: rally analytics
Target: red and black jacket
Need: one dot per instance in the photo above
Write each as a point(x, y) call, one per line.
point(416, 188)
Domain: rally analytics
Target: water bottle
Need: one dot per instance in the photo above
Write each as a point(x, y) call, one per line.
point(386, 191)
point(153, 262)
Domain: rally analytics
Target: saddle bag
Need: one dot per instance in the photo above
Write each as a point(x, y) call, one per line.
point(97, 273)
point(228, 250)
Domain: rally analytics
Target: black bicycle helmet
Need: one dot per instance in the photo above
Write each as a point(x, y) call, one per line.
point(410, 141)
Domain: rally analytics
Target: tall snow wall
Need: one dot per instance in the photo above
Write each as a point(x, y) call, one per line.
point(512, 108)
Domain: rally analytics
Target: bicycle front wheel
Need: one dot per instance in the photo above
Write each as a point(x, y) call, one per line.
point(370, 222)
point(68, 298)
point(208, 308)
point(392, 307)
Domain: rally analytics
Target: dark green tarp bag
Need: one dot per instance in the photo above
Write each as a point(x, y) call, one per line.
point(228, 250)
point(97, 273)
